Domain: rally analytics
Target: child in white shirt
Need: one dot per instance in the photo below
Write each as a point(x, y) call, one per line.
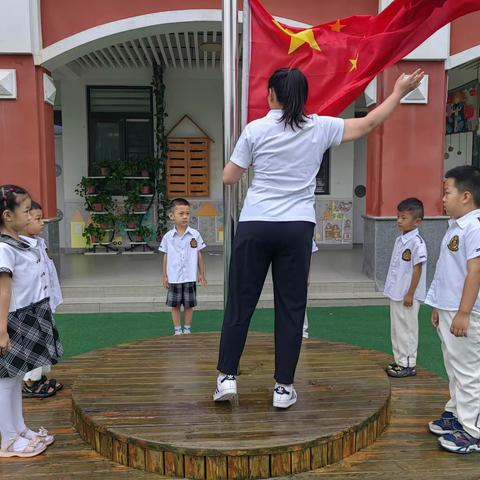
point(454, 296)
point(36, 384)
point(405, 287)
point(182, 263)
point(28, 335)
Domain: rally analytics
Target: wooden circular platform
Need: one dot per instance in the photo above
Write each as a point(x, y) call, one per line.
point(149, 405)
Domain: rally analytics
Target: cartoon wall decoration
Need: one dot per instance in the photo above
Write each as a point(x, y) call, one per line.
point(334, 221)
point(462, 109)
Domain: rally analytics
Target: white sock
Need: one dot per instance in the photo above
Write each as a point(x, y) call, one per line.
point(9, 410)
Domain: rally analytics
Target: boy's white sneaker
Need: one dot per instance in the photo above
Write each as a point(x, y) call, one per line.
point(284, 396)
point(226, 388)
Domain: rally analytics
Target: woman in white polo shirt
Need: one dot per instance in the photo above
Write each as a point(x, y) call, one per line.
point(285, 149)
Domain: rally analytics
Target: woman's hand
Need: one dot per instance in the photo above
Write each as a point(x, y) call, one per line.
point(407, 83)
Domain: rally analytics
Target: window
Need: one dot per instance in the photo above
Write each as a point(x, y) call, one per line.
point(120, 125)
point(323, 176)
point(188, 167)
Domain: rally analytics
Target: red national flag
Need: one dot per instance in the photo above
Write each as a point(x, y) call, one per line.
point(341, 57)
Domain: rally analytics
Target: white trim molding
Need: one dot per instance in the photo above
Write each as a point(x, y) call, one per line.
point(49, 89)
point(8, 84)
point(462, 57)
point(61, 52)
point(370, 93)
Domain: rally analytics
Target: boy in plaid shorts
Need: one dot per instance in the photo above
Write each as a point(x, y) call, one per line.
point(182, 262)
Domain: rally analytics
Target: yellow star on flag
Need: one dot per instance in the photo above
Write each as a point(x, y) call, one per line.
point(297, 39)
point(337, 26)
point(354, 62)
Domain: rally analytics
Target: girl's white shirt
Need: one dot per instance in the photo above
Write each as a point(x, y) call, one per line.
point(26, 268)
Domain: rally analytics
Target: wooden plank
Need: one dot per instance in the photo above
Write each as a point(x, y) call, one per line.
point(216, 468)
point(280, 464)
point(136, 457)
point(301, 461)
point(259, 466)
point(119, 452)
point(319, 456)
point(154, 461)
point(238, 468)
point(173, 464)
point(195, 467)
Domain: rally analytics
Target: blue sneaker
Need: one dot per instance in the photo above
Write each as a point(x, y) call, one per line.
point(460, 442)
point(447, 423)
point(401, 372)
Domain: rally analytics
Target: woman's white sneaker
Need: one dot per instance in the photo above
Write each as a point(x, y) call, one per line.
point(226, 388)
point(284, 396)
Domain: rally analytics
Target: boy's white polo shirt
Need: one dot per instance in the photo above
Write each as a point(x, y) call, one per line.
point(182, 254)
point(27, 271)
point(285, 164)
point(409, 250)
point(460, 244)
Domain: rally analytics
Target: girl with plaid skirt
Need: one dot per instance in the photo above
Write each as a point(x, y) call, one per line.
point(28, 336)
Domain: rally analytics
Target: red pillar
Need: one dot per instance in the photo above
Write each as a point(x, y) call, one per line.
point(27, 155)
point(405, 155)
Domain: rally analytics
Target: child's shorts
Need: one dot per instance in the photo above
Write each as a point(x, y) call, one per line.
point(182, 294)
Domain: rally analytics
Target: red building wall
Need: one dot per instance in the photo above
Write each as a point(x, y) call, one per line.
point(26, 135)
point(61, 19)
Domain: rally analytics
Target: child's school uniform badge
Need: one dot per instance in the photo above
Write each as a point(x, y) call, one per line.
point(193, 243)
point(454, 243)
point(407, 255)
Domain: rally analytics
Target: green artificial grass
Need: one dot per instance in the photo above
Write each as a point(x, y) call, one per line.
point(366, 326)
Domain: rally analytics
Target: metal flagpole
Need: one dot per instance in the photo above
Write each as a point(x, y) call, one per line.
point(230, 127)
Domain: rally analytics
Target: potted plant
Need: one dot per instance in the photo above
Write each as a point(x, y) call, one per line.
point(105, 169)
point(87, 186)
point(101, 202)
point(145, 189)
point(106, 222)
point(144, 167)
point(134, 202)
point(93, 233)
point(142, 233)
point(130, 221)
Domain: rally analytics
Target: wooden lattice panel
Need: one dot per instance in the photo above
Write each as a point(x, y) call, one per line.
point(188, 167)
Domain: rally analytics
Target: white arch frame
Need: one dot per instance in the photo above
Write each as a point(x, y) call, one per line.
point(76, 45)
point(462, 57)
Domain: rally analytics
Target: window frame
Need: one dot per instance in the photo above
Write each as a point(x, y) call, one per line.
point(121, 117)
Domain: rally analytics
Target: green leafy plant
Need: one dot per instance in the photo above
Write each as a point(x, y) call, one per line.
point(87, 186)
point(101, 202)
point(93, 233)
point(160, 158)
point(134, 202)
point(107, 221)
point(142, 233)
point(130, 221)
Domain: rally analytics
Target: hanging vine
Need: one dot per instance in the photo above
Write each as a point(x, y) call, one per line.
point(161, 148)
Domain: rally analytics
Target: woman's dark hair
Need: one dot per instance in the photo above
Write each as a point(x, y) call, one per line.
point(9, 196)
point(291, 89)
